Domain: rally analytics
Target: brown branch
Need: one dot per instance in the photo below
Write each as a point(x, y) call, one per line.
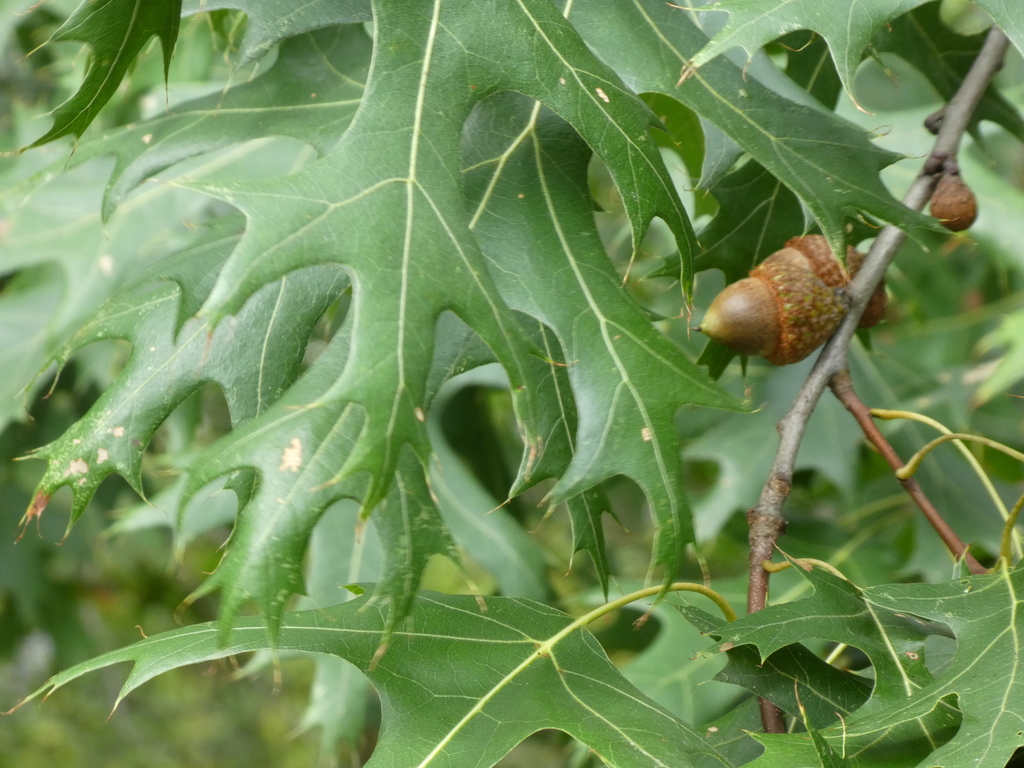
point(842, 388)
point(833, 359)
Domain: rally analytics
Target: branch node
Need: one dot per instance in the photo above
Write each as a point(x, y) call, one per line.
point(764, 525)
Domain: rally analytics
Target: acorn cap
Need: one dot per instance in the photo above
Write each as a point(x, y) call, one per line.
point(808, 309)
point(953, 203)
point(818, 253)
point(784, 310)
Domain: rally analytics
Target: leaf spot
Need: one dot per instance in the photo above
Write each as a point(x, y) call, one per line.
point(561, 81)
point(76, 441)
point(102, 455)
point(603, 95)
point(78, 467)
point(81, 481)
point(147, 138)
point(911, 655)
point(645, 433)
point(713, 729)
point(116, 431)
point(291, 457)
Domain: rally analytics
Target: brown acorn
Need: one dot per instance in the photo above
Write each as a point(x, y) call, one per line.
point(789, 305)
point(953, 203)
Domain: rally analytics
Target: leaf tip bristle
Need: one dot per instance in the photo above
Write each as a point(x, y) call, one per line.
point(35, 510)
point(20, 704)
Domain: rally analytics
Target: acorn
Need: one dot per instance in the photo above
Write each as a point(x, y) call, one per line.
point(953, 203)
point(789, 305)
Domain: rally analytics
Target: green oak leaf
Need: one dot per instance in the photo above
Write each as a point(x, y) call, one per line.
point(253, 360)
point(73, 261)
point(894, 642)
point(793, 671)
point(792, 750)
point(983, 613)
point(311, 94)
point(296, 446)
point(830, 164)
point(830, 758)
point(838, 611)
point(115, 31)
point(797, 681)
point(548, 262)
point(460, 685)
point(393, 185)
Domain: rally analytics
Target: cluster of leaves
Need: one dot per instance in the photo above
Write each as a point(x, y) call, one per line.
point(345, 227)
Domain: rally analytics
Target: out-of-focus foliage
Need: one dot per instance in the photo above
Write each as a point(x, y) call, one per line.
point(399, 297)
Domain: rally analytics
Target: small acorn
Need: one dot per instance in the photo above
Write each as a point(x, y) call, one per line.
point(789, 305)
point(953, 203)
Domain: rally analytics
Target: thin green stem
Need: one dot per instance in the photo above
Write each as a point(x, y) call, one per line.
point(836, 653)
point(882, 413)
point(1008, 531)
point(602, 610)
point(803, 562)
point(915, 461)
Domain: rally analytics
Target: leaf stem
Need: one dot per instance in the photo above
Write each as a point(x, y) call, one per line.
point(915, 460)
point(804, 562)
point(679, 586)
point(1008, 530)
